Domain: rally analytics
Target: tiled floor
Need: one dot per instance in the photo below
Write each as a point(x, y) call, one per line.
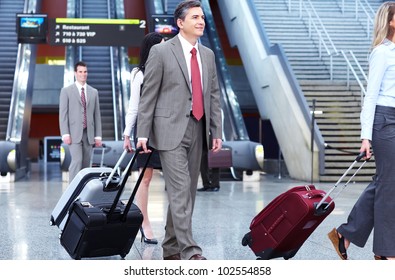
point(220, 219)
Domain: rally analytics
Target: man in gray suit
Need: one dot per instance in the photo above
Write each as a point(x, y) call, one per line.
point(79, 119)
point(167, 118)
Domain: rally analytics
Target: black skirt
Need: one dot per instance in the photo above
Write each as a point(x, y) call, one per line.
point(154, 160)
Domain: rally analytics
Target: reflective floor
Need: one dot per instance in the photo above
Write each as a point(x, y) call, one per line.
point(221, 219)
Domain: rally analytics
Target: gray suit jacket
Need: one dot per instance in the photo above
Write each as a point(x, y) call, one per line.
point(165, 103)
point(71, 113)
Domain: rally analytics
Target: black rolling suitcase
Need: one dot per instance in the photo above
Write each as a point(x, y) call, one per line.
point(98, 229)
point(90, 184)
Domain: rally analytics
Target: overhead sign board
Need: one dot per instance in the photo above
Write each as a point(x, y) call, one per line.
point(96, 32)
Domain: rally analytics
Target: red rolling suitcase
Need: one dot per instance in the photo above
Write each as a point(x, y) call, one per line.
point(96, 228)
point(282, 227)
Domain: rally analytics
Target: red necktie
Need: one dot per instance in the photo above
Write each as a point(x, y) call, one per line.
point(83, 101)
point(197, 94)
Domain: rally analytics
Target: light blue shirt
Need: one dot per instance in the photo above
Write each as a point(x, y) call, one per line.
point(381, 85)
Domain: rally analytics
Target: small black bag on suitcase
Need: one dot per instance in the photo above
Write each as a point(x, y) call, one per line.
point(98, 229)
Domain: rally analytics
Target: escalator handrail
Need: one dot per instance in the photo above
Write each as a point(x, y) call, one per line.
point(70, 54)
point(114, 91)
point(20, 86)
point(229, 95)
point(123, 78)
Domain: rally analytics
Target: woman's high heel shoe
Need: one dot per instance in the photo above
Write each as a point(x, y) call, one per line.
point(338, 243)
point(380, 258)
point(147, 240)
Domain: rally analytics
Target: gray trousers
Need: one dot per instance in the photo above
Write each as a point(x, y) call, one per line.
point(375, 208)
point(80, 155)
point(181, 173)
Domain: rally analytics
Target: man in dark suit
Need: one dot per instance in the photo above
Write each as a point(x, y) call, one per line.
point(179, 106)
point(79, 119)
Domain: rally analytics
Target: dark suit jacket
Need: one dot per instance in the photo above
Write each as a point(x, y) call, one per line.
point(165, 103)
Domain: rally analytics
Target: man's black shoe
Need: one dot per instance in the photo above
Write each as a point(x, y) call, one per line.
point(212, 189)
point(204, 189)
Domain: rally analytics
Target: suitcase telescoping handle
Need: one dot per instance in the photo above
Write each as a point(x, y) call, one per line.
point(125, 176)
point(357, 159)
point(119, 162)
point(102, 149)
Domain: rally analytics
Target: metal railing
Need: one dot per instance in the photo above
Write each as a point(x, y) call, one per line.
point(315, 24)
point(317, 27)
point(365, 3)
point(367, 9)
point(346, 55)
point(316, 18)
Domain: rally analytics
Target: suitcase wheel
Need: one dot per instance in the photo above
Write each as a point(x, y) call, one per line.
point(247, 240)
point(290, 254)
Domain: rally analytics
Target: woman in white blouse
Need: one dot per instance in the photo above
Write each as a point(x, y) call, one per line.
point(375, 207)
point(137, 79)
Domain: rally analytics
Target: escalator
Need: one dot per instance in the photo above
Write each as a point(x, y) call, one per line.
point(17, 67)
point(8, 56)
point(98, 59)
point(101, 66)
point(247, 155)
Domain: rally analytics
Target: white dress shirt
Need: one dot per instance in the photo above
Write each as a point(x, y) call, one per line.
point(79, 86)
point(186, 48)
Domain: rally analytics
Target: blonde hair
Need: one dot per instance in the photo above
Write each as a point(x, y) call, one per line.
point(384, 15)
